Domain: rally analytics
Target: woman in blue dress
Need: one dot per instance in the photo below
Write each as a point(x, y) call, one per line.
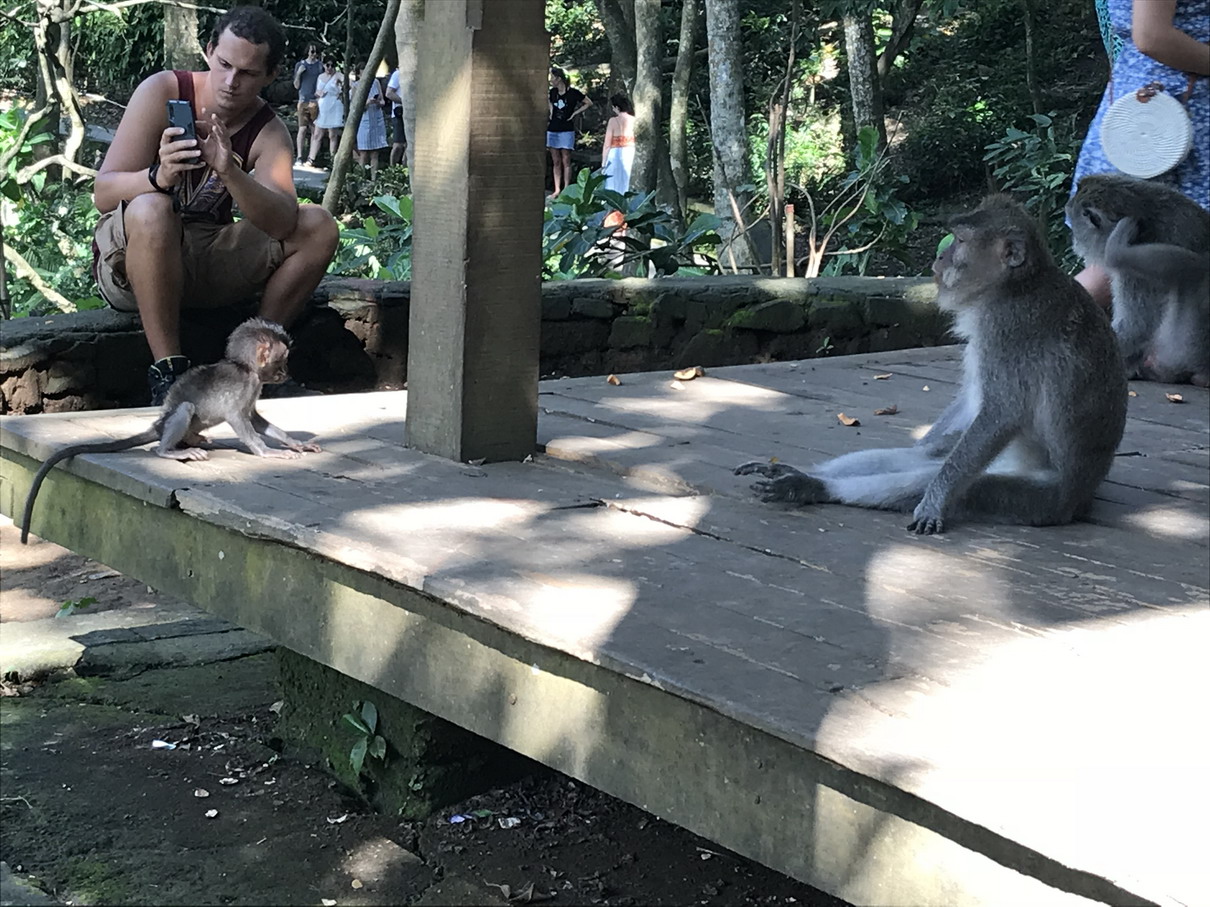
point(1165, 41)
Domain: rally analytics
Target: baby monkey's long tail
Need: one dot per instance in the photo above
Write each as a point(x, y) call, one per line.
point(73, 450)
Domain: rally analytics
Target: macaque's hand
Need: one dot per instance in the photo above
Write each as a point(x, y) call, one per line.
point(307, 447)
point(216, 146)
point(177, 156)
point(1124, 233)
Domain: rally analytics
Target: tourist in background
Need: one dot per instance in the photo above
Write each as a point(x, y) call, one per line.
point(398, 137)
point(371, 130)
point(306, 73)
point(617, 150)
point(564, 105)
point(331, 109)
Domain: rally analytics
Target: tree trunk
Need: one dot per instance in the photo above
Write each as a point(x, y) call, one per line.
point(407, 27)
point(678, 116)
point(52, 43)
point(357, 104)
point(903, 22)
point(864, 88)
point(181, 48)
point(727, 128)
point(350, 11)
point(1031, 63)
point(618, 18)
point(648, 103)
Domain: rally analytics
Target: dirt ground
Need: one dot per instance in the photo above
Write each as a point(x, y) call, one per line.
point(168, 786)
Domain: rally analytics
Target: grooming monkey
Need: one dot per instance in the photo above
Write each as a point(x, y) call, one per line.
point(203, 397)
point(1155, 244)
point(1040, 412)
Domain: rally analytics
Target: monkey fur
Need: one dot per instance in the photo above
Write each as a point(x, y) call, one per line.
point(1042, 406)
point(205, 396)
point(1155, 244)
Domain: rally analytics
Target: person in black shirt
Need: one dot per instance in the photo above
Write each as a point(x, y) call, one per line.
point(564, 105)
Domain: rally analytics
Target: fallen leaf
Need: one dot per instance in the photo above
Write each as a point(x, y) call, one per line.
point(847, 420)
point(887, 410)
point(192, 719)
point(1132, 393)
point(338, 820)
point(356, 883)
point(926, 387)
point(774, 459)
point(211, 813)
point(327, 902)
point(201, 792)
point(228, 780)
point(614, 380)
point(1174, 398)
point(882, 377)
point(504, 889)
point(688, 374)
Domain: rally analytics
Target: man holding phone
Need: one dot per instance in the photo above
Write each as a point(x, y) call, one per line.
point(167, 238)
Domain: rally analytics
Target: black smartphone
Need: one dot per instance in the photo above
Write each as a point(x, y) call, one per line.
point(180, 113)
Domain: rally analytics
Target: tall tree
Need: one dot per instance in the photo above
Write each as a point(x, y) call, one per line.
point(864, 87)
point(618, 18)
point(648, 101)
point(407, 28)
point(732, 179)
point(181, 47)
point(678, 114)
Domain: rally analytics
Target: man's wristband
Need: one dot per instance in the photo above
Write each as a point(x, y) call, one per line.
point(151, 172)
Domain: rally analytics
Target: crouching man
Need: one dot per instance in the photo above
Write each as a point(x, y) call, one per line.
point(166, 238)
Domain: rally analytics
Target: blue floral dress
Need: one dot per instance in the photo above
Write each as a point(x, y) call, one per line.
point(1131, 71)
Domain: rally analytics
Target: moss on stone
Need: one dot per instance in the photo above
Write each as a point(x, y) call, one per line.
point(94, 881)
point(430, 762)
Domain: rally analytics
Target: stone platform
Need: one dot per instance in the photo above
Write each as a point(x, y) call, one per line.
point(1000, 715)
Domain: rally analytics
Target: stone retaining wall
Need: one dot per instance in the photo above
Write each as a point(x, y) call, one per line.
point(356, 337)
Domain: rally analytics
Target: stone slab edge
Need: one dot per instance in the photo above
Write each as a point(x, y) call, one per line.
point(856, 837)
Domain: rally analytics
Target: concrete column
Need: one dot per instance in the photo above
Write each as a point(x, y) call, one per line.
point(478, 191)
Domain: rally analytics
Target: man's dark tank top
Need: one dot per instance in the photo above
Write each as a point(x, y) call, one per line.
point(203, 195)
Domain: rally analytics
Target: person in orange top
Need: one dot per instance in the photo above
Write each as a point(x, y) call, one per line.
point(617, 151)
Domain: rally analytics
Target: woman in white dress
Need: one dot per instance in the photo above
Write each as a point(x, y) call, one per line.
point(617, 151)
point(331, 117)
point(372, 130)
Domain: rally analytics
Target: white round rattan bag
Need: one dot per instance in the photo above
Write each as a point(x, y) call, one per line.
point(1146, 133)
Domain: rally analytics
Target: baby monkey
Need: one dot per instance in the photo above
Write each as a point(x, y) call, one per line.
point(203, 397)
point(1033, 429)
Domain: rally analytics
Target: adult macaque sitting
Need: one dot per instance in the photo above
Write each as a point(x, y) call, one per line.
point(166, 238)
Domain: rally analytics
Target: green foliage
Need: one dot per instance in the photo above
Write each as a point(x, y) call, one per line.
point(377, 251)
point(50, 223)
point(116, 50)
point(577, 243)
point(1036, 167)
point(364, 720)
point(882, 224)
point(963, 85)
point(68, 608)
point(576, 33)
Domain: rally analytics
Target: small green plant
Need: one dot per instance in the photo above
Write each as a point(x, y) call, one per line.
point(576, 242)
point(48, 224)
point(68, 608)
point(825, 347)
point(865, 215)
point(378, 251)
point(1036, 167)
point(364, 720)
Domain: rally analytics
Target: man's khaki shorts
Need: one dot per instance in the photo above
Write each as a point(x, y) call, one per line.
point(225, 264)
point(308, 113)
